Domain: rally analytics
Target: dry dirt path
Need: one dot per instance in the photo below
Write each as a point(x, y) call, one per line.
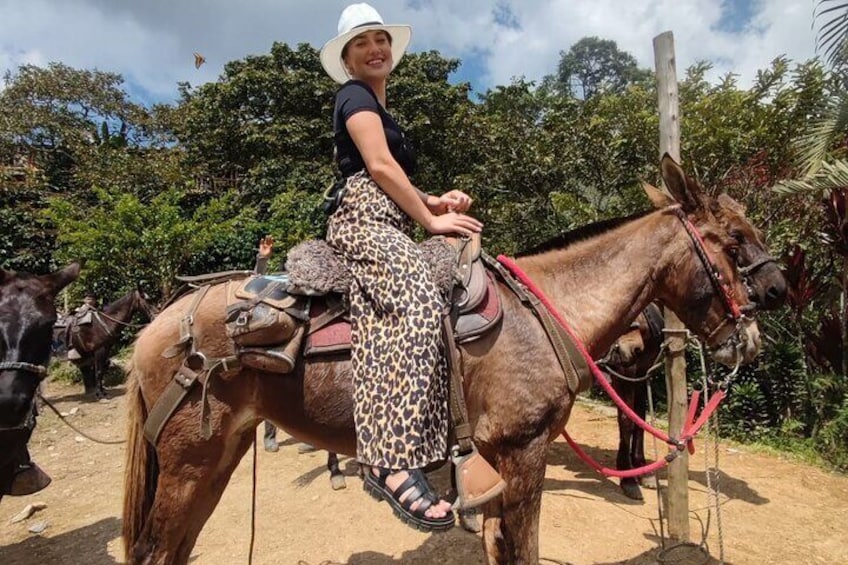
point(774, 511)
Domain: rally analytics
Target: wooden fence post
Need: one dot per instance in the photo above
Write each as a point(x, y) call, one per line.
point(675, 365)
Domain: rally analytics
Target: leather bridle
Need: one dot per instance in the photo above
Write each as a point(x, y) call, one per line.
point(735, 313)
point(39, 371)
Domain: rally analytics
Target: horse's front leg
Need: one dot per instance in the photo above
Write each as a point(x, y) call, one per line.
point(337, 478)
point(101, 359)
point(511, 523)
point(624, 460)
point(638, 448)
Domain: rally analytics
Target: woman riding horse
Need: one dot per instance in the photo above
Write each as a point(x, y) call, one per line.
point(700, 256)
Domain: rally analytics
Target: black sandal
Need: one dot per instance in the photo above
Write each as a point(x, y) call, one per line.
point(419, 491)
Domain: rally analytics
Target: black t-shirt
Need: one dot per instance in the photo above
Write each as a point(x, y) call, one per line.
point(356, 96)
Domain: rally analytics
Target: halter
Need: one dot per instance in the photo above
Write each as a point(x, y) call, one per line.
point(39, 371)
point(736, 314)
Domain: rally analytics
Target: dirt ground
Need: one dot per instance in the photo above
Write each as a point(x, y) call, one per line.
point(773, 511)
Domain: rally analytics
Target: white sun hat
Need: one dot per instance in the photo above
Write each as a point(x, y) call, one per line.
point(356, 19)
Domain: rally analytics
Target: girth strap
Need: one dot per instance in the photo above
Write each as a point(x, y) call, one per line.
point(195, 368)
point(574, 366)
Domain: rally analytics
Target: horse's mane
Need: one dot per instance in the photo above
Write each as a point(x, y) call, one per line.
point(117, 303)
point(565, 239)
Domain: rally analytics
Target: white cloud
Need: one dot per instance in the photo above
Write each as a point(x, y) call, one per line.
point(151, 42)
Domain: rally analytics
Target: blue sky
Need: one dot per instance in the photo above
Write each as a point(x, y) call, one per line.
point(150, 42)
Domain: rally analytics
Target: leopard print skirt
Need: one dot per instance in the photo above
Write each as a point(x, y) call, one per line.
point(399, 370)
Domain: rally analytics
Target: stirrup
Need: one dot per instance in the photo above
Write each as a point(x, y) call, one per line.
point(477, 482)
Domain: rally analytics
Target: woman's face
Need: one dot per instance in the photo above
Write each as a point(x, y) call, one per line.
point(369, 55)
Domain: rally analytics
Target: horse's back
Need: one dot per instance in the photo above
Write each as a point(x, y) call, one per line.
point(151, 362)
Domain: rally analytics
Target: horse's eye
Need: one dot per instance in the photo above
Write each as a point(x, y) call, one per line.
point(733, 251)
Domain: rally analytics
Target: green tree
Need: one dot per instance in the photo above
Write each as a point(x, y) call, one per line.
point(65, 125)
point(594, 65)
point(128, 241)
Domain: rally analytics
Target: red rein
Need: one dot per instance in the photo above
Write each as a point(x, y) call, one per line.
point(690, 427)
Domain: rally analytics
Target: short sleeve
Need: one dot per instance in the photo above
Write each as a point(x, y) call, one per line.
point(354, 97)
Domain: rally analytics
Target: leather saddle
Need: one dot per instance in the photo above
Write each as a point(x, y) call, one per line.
point(475, 301)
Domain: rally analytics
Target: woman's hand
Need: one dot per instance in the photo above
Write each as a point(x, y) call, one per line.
point(452, 201)
point(453, 223)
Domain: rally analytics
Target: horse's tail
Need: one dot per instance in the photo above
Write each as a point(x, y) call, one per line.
point(141, 468)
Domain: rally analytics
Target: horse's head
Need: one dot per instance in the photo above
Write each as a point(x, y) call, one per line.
point(644, 337)
point(725, 275)
point(143, 303)
point(27, 315)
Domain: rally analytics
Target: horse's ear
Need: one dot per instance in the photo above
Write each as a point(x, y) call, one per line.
point(727, 201)
point(659, 198)
point(62, 278)
point(684, 189)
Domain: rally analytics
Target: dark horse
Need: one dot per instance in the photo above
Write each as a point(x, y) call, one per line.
point(599, 284)
point(93, 340)
point(627, 364)
point(27, 314)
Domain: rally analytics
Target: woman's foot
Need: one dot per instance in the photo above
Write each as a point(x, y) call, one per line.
point(393, 481)
point(412, 498)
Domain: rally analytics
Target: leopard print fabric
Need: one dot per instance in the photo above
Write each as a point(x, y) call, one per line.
point(399, 370)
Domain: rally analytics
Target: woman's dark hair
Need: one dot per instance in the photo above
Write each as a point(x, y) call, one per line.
point(344, 49)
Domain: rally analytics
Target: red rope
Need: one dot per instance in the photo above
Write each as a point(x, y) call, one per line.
point(689, 429)
point(638, 472)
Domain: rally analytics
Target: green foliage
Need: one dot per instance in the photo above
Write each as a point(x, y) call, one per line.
point(593, 66)
point(127, 241)
point(64, 372)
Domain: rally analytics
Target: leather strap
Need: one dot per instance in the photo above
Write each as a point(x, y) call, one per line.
point(195, 368)
point(458, 410)
point(186, 323)
point(574, 366)
point(335, 308)
point(244, 306)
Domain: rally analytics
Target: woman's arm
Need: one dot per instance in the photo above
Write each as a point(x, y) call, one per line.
point(366, 130)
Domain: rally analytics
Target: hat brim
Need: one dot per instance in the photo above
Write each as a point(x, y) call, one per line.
point(331, 53)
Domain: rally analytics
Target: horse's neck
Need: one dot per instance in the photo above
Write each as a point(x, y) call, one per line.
point(601, 284)
point(122, 309)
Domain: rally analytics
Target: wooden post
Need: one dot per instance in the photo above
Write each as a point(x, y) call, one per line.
point(675, 365)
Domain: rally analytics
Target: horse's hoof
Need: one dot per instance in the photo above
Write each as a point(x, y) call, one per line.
point(469, 521)
point(271, 446)
point(28, 479)
point(649, 481)
point(632, 491)
point(338, 482)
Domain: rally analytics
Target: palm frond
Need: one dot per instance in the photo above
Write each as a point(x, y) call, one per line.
point(823, 133)
point(830, 176)
point(832, 36)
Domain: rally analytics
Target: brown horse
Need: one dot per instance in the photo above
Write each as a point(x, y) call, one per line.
point(93, 341)
point(27, 314)
point(600, 284)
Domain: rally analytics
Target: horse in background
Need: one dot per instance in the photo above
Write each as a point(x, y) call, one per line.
point(599, 282)
point(27, 315)
point(89, 339)
point(627, 364)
